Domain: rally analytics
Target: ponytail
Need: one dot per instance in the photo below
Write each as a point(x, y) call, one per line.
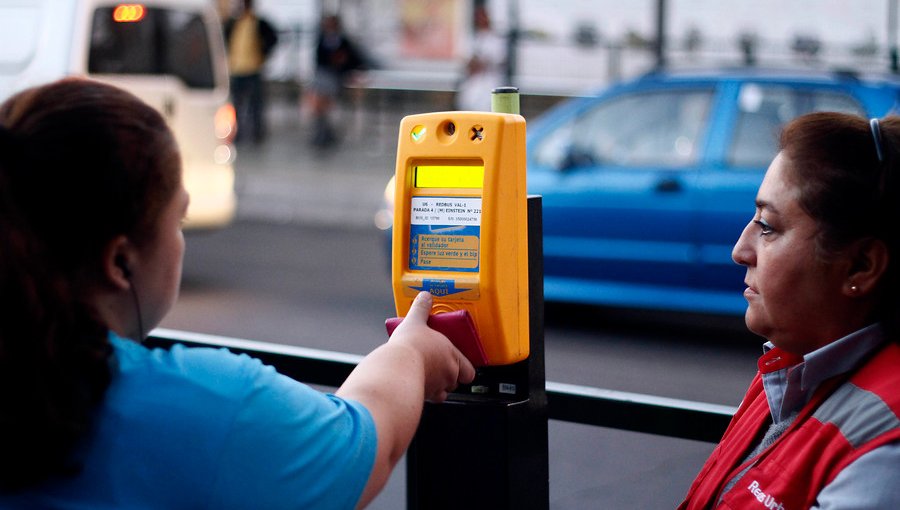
point(53, 354)
point(80, 163)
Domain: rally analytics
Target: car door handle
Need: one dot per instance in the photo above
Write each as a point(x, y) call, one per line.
point(668, 185)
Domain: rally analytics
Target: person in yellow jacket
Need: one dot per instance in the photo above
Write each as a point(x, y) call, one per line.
point(250, 40)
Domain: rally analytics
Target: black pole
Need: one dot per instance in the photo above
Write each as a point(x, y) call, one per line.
point(660, 44)
point(487, 450)
point(892, 36)
point(512, 42)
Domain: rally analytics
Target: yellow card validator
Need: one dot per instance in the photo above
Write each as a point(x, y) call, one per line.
point(461, 223)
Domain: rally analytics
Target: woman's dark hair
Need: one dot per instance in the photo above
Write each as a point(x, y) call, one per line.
point(849, 190)
point(81, 162)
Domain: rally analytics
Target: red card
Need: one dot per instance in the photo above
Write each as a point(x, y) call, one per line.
point(458, 327)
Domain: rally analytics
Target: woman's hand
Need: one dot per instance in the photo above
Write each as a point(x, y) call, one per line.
point(445, 366)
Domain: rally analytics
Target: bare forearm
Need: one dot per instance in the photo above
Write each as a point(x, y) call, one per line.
point(390, 383)
point(394, 380)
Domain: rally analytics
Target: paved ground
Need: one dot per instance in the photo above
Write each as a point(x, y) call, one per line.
point(286, 179)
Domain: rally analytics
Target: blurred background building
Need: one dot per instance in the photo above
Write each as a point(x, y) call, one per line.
point(566, 48)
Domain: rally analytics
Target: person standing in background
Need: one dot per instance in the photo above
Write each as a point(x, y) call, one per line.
point(337, 57)
point(250, 40)
point(485, 66)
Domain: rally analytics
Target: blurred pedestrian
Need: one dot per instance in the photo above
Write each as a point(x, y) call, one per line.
point(338, 59)
point(250, 40)
point(91, 206)
point(485, 67)
point(819, 426)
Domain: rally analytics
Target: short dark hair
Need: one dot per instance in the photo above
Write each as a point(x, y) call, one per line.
point(846, 188)
point(81, 162)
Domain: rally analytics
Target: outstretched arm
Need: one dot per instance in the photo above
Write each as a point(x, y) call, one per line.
point(393, 381)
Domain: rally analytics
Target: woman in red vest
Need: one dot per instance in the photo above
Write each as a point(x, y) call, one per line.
point(819, 426)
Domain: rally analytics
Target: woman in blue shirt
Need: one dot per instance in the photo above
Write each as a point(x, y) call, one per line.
point(91, 205)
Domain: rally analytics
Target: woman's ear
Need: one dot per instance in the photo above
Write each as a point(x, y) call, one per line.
point(868, 263)
point(117, 258)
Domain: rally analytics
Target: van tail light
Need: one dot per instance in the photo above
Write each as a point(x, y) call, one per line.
point(129, 13)
point(226, 123)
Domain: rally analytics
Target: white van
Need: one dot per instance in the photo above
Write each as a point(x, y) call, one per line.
point(170, 53)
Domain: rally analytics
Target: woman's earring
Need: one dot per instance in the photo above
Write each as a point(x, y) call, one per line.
point(854, 289)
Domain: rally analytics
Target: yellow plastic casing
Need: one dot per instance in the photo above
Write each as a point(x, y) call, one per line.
point(469, 259)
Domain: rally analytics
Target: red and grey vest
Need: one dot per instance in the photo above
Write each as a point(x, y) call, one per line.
point(846, 418)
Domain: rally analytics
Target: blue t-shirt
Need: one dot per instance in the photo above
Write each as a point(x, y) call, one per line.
point(204, 428)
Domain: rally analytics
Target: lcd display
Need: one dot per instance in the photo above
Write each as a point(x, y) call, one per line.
point(449, 176)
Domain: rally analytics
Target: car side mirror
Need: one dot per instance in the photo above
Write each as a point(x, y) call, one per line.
point(576, 157)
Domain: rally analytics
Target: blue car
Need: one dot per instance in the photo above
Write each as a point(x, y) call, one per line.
point(647, 185)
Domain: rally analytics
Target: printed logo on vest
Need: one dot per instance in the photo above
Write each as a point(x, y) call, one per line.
point(766, 499)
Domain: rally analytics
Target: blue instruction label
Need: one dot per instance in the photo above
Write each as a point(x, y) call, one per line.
point(445, 234)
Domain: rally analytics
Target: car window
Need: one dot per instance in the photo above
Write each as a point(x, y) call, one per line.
point(164, 41)
point(659, 128)
point(763, 110)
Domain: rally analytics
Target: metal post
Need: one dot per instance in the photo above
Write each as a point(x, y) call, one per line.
point(487, 449)
point(512, 43)
point(892, 36)
point(660, 46)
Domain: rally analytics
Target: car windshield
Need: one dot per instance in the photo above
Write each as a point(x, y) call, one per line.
point(658, 128)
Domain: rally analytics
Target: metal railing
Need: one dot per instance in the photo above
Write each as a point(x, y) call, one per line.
point(634, 412)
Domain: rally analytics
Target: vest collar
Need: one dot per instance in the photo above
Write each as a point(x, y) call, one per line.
point(777, 359)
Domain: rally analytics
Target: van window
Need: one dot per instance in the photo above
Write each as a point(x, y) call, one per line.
point(164, 41)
